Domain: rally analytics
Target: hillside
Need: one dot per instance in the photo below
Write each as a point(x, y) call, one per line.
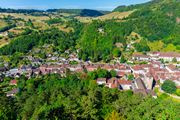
point(99, 36)
point(108, 16)
point(80, 12)
point(152, 21)
point(115, 15)
point(149, 21)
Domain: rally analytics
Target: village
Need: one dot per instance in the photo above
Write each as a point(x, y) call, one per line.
point(140, 78)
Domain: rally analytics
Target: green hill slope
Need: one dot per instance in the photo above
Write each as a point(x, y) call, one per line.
point(153, 21)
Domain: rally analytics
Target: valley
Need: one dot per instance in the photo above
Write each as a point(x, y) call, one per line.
point(84, 64)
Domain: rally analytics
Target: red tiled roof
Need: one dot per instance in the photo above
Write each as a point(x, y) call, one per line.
point(172, 67)
point(120, 74)
point(136, 68)
point(13, 82)
point(169, 54)
point(125, 82)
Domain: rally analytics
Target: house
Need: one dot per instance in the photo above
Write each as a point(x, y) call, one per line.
point(14, 71)
point(107, 67)
point(122, 68)
point(12, 93)
point(91, 67)
point(139, 84)
point(172, 68)
point(125, 84)
point(140, 57)
point(147, 80)
point(3, 34)
point(13, 82)
point(112, 83)
point(154, 54)
point(101, 30)
point(138, 69)
point(101, 81)
point(169, 56)
point(3, 69)
point(36, 71)
point(120, 74)
point(1, 78)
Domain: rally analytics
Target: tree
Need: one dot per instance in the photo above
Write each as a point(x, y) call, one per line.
point(114, 116)
point(174, 60)
point(113, 73)
point(102, 73)
point(130, 77)
point(116, 52)
point(93, 75)
point(7, 108)
point(178, 92)
point(122, 60)
point(169, 86)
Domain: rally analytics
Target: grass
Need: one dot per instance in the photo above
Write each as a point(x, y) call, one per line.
point(2, 24)
point(3, 42)
point(165, 96)
point(63, 28)
point(115, 15)
point(16, 31)
point(84, 19)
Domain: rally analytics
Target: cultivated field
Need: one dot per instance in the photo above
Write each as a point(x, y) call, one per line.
point(25, 17)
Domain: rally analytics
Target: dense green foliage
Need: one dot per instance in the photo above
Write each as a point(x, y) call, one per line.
point(96, 45)
point(71, 98)
point(90, 13)
point(169, 86)
point(137, 6)
point(29, 39)
point(7, 108)
point(54, 21)
point(142, 46)
point(21, 44)
point(25, 43)
point(102, 73)
point(151, 19)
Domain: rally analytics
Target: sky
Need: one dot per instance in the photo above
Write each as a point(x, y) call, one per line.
point(73, 4)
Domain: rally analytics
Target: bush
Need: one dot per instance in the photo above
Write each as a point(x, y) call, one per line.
point(169, 86)
point(178, 92)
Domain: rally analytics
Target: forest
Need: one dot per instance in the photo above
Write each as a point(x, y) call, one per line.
point(150, 21)
point(30, 39)
point(79, 97)
point(98, 39)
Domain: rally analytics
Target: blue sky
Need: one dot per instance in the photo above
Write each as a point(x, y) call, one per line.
point(47, 4)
